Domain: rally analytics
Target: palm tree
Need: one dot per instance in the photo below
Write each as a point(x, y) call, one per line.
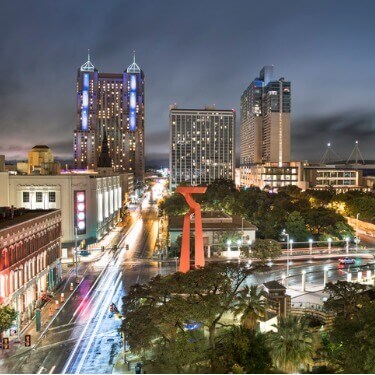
point(251, 304)
point(291, 346)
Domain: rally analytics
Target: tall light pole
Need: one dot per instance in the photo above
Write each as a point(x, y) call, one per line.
point(285, 234)
point(76, 251)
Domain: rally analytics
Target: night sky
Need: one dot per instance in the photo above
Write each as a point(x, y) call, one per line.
point(193, 53)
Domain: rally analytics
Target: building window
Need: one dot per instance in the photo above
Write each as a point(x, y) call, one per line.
point(39, 197)
point(52, 197)
point(26, 197)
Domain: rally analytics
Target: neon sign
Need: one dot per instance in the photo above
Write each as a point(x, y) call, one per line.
point(133, 101)
point(85, 101)
point(80, 211)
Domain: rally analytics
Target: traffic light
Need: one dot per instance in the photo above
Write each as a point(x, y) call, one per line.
point(127, 247)
point(27, 340)
point(5, 343)
point(111, 308)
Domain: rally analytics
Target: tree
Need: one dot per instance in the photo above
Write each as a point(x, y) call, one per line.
point(296, 227)
point(266, 249)
point(321, 220)
point(174, 205)
point(344, 297)
point(184, 354)
point(251, 305)
point(159, 310)
point(291, 345)
point(229, 235)
point(243, 351)
point(350, 345)
point(7, 316)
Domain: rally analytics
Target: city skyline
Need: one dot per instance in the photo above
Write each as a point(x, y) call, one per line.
point(195, 74)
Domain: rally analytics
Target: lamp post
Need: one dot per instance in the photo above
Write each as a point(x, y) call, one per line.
point(325, 276)
point(291, 246)
point(347, 239)
point(229, 242)
point(303, 280)
point(239, 244)
point(285, 234)
point(310, 245)
point(76, 251)
point(356, 241)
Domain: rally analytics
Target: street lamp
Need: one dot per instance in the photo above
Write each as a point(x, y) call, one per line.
point(239, 243)
point(291, 246)
point(285, 234)
point(329, 245)
point(356, 241)
point(229, 242)
point(347, 239)
point(76, 251)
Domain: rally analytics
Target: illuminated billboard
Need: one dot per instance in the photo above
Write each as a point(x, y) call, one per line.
point(85, 101)
point(80, 211)
point(133, 103)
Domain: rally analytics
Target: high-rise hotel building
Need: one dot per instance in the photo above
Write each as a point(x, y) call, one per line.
point(201, 145)
point(112, 104)
point(265, 131)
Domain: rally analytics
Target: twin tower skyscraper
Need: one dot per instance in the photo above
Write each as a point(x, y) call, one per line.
point(110, 119)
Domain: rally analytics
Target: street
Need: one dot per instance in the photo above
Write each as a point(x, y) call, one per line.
point(84, 336)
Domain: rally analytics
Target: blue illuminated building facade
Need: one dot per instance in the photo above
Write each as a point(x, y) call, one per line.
point(111, 103)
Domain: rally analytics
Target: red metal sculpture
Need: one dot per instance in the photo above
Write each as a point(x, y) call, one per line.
point(195, 209)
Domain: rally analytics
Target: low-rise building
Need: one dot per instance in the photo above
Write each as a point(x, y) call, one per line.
point(272, 175)
point(30, 257)
point(88, 201)
point(215, 224)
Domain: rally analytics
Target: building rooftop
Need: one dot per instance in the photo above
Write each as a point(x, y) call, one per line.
point(20, 215)
point(41, 146)
point(274, 285)
point(213, 220)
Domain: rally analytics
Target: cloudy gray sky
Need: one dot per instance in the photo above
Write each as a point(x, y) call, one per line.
point(193, 53)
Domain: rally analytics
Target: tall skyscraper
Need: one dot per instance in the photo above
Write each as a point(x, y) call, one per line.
point(111, 104)
point(265, 120)
point(201, 145)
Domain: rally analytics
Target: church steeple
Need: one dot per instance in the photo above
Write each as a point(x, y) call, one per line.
point(105, 160)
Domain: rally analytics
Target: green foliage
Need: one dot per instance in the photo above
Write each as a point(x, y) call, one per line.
point(291, 346)
point(174, 205)
point(345, 297)
point(241, 350)
point(7, 316)
point(251, 305)
point(351, 343)
point(159, 309)
point(296, 227)
point(266, 249)
point(364, 205)
point(186, 353)
point(226, 236)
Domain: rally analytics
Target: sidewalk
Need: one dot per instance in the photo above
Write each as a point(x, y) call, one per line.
point(50, 310)
point(48, 313)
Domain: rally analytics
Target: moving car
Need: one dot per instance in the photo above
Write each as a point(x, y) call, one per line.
point(347, 260)
point(84, 253)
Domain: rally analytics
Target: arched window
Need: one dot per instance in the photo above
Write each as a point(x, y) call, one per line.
point(5, 255)
point(11, 282)
point(12, 255)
